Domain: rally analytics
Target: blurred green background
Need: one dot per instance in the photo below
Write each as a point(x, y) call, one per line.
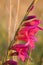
point(6, 35)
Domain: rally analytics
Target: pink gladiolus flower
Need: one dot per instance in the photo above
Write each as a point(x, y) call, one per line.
point(28, 32)
point(30, 27)
point(22, 51)
point(10, 62)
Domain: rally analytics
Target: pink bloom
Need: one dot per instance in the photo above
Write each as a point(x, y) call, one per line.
point(22, 51)
point(29, 25)
point(28, 32)
point(31, 28)
point(10, 62)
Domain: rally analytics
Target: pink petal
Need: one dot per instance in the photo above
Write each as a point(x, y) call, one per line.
point(32, 45)
point(32, 23)
point(30, 42)
point(25, 29)
point(22, 57)
point(17, 47)
point(39, 28)
point(33, 31)
point(20, 37)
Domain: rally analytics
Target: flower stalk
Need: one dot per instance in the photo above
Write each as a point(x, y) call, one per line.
point(27, 34)
point(26, 14)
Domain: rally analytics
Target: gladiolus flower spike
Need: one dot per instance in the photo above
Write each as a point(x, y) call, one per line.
point(26, 33)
